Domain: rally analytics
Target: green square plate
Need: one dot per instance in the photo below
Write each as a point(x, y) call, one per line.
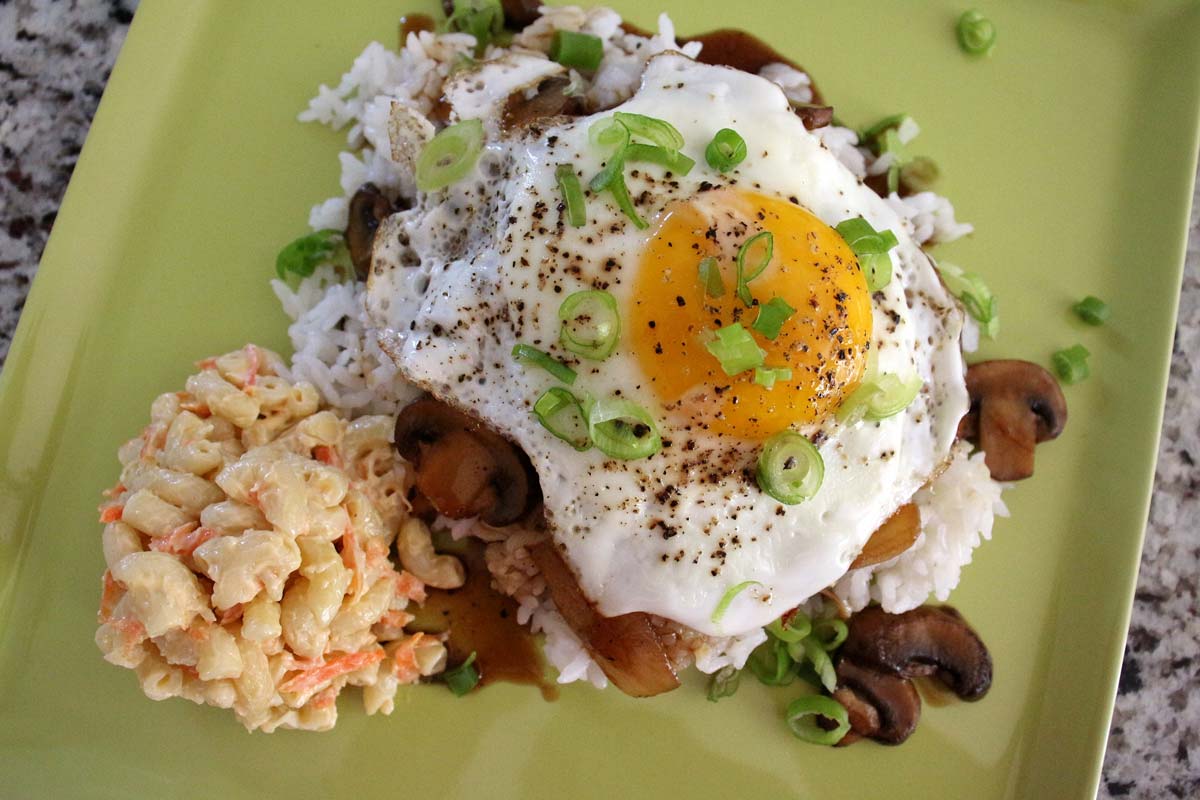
point(1072, 148)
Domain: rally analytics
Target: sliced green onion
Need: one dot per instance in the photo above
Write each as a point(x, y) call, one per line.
point(560, 412)
point(462, 678)
point(975, 296)
point(710, 277)
point(771, 317)
point(724, 683)
point(727, 599)
point(869, 135)
point(302, 256)
point(622, 429)
point(790, 468)
point(871, 247)
point(450, 155)
point(1092, 310)
point(734, 347)
point(608, 132)
point(771, 663)
point(830, 633)
point(802, 715)
point(812, 651)
point(892, 145)
point(879, 398)
point(976, 33)
point(765, 240)
point(769, 376)
point(483, 19)
point(658, 131)
point(1071, 364)
point(620, 193)
point(726, 150)
point(591, 324)
point(572, 191)
point(531, 355)
point(919, 175)
point(578, 50)
point(797, 628)
point(673, 160)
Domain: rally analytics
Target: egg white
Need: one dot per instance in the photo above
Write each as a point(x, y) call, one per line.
point(471, 271)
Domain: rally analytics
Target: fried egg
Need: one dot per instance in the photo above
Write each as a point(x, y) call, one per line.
point(473, 270)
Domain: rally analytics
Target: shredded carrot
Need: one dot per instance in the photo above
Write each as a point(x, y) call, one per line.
point(207, 363)
point(111, 512)
point(253, 362)
point(405, 667)
point(110, 593)
point(325, 697)
point(115, 491)
point(184, 540)
point(396, 618)
point(410, 586)
point(310, 679)
point(327, 455)
point(355, 560)
point(196, 407)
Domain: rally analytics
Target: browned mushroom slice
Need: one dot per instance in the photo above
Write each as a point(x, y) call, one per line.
point(368, 207)
point(881, 706)
point(463, 469)
point(930, 640)
point(520, 13)
point(815, 117)
point(893, 537)
point(1014, 406)
point(550, 100)
point(625, 647)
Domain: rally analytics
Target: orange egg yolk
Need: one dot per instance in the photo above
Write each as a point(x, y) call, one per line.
point(824, 343)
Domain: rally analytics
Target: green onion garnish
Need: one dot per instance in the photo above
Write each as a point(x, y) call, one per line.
point(764, 240)
point(879, 398)
point(771, 317)
point(790, 468)
point(975, 296)
point(830, 633)
point(734, 347)
point(572, 192)
point(450, 155)
point(1071, 364)
point(591, 324)
point(771, 663)
point(919, 175)
point(302, 256)
point(622, 429)
point(900, 157)
point(811, 650)
point(869, 135)
point(797, 628)
point(1092, 310)
point(976, 33)
point(483, 19)
point(579, 50)
point(768, 376)
point(726, 150)
point(727, 599)
point(802, 715)
point(462, 678)
point(673, 160)
point(657, 131)
point(871, 247)
point(710, 277)
point(531, 355)
point(560, 412)
point(724, 683)
point(620, 193)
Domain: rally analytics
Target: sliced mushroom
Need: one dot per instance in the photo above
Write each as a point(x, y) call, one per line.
point(462, 468)
point(893, 537)
point(881, 706)
point(549, 100)
point(814, 117)
point(1014, 406)
point(520, 13)
point(368, 207)
point(625, 647)
point(929, 640)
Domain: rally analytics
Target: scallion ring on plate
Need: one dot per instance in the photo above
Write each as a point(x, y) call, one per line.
point(802, 719)
point(735, 348)
point(830, 633)
point(771, 316)
point(975, 296)
point(525, 354)
point(572, 192)
point(620, 193)
point(591, 324)
point(710, 277)
point(798, 627)
point(880, 397)
point(560, 412)
point(658, 131)
point(673, 160)
point(752, 259)
point(574, 49)
point(811, 650)
point(790, 468)
point(724, 683)
point(976, 33)
point(1092, 310)
point(450, 155)
point(871, 247)
point(771, 663)
point(767, 377)
point(463, 678)
point(1071, 364)
point(727, 599)
point(726, 150)
point(622, 429)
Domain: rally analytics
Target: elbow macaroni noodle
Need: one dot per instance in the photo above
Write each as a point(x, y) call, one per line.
point(248, 547)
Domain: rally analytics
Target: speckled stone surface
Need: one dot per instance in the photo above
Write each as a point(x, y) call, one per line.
point(55, 56)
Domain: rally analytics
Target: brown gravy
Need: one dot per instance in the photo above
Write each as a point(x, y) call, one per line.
point(482, 620)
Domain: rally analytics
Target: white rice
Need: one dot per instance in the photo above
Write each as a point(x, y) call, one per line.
point(335, 350)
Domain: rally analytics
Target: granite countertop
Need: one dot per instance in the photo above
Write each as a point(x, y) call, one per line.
point(55, 57)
